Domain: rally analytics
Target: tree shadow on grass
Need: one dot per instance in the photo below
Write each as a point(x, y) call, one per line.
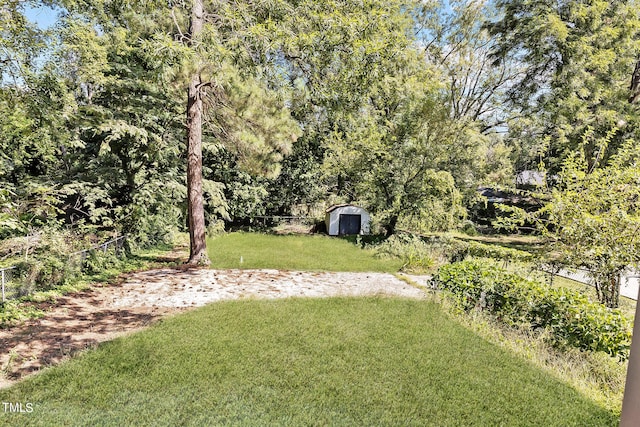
point(73, 323)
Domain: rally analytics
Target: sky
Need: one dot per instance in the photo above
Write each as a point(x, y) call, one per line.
point(43, 16)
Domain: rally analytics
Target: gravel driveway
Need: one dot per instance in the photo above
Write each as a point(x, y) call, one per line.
point(191, 288)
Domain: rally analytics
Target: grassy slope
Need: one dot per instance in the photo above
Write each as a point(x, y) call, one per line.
point(312, 253)
point(302, 362)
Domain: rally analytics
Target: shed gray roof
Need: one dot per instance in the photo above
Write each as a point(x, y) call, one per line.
point(334, 207)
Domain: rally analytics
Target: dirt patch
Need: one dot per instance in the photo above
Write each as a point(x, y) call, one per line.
point(82, 320)
point(74, 323)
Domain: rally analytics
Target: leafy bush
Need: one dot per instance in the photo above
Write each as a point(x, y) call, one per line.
point(98, 261)
point(497, 252)
point(413, 251)
point(43, 274)
point(215, 228)
point(570, 316)
point(469, 228)
point(421, 253)
point(11, 312)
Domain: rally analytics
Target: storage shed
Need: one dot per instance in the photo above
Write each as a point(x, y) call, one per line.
point(347, 219)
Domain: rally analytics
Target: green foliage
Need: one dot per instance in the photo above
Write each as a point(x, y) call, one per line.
point(20, 41)
point(394, 155)
point(570, 317)
point(47, 270)
point(474, 94)
point(592, 218)
point(98, 261)
point(102, 117)
point(42, 274)
point(425, 253)
point(499, 253)
point(12, 312)
point(215, 228)
point(416, 255)
point(578, 59)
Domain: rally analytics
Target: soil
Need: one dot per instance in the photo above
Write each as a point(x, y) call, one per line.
point(81, 321)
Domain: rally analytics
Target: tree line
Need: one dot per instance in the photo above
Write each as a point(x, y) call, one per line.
point(152, 115)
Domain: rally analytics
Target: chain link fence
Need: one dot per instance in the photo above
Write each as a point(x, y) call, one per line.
point(7, 278)
point(11, 282)
point(116, 246)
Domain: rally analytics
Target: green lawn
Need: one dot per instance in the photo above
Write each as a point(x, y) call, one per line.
point(291, 252)
point(525, 243)
point(340, 361)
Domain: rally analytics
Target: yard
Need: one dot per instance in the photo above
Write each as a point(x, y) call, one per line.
point(396, 359)
point(339, 361)
point(293, 252)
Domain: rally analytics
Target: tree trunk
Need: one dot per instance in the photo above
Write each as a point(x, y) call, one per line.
point(608, 290)
point(390, 228)
point(195, 199)
point(614, 291)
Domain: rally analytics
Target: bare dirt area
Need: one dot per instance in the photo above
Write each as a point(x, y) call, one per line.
point(82, 320)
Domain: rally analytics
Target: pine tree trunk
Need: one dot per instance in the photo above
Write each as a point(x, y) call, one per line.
point(195, 199)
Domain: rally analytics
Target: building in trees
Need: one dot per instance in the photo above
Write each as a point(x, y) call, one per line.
point(347, 219)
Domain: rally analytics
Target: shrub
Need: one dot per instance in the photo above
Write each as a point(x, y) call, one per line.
point(11, 312)
point(477, 249)
point(469, 228)
point(216, 228)
point(413, 251)
point(421, 253)
point(43, 274)
point(97, 261)
point(571, 317)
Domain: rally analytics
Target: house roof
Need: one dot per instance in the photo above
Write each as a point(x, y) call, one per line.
point(530, 177)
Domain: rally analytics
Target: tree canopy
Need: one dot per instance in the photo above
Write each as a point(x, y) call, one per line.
point(405, 107)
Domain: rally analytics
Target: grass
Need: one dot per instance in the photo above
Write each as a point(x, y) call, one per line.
point(595, 374)
point(340, 361)
point(291, 252)
point(531, 244)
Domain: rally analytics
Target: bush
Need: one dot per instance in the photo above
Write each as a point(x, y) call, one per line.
point(415, 254)
point(11, 312)
point(469, 228)
point(570, 316)
point(216, 228)
point(97, 261)
point(43, 274)
point(482, 250)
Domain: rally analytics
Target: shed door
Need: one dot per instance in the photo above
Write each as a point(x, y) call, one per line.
point(349, 224)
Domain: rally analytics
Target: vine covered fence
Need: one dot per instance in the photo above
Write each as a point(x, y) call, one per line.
point(11, 280)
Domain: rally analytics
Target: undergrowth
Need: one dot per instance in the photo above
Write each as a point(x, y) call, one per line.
point(47, 278)
point(570, 318)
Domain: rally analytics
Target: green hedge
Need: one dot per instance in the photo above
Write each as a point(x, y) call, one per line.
point(570, 316)
point(497, 252)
